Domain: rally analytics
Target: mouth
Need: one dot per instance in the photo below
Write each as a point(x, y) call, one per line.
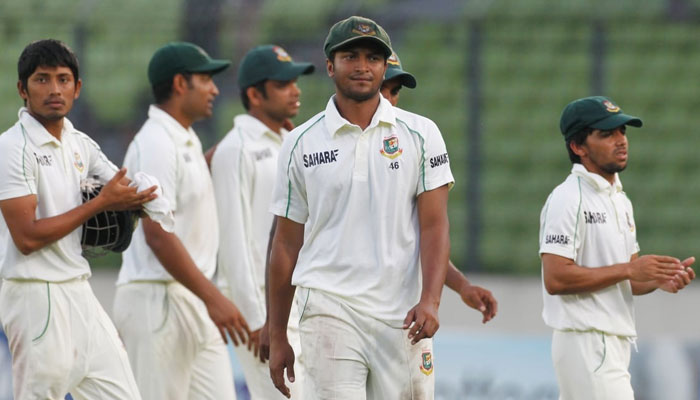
point(55, 103)
point(621, 155)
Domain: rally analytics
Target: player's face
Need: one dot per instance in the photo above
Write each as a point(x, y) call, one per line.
point(358, 71)
point(282, 99)
point(390, 90)
point(605, 152)
point(199, 97)
point(50, 93)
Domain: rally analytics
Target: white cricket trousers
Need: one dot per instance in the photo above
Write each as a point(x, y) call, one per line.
point(592, 365)
point(350, 355)
point(174, 348)
point(257, 373)
point(62, 341)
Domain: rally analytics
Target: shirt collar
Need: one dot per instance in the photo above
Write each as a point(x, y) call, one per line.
point(36, 131)
point(255, 129)
point(335, 123)
point(174, 128)
point(598, 182)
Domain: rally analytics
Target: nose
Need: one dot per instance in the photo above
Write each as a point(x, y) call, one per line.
point(295, 90)
point(214, 89)
point(54, 87)
point(620, 137)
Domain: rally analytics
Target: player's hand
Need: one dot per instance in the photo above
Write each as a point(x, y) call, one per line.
point(654, 268)
point(115, 195)
point(228, 319)
point(254, 342)
point(681, 279)
point(264, 342)
point(422, 321)
point(281, 358)
point(480, 299)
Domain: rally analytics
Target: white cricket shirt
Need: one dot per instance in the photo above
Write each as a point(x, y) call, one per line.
point(172, 154)
point(33, 162)
point(356, 192)
point(590, 221)
point(243, 170)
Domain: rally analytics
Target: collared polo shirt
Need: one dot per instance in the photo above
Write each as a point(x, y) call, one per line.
point(590, 221)
point(243, 169)
point(172, 154)
point(33, 162)
point(356, 193)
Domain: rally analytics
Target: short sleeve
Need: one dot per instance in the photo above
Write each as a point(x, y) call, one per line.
point(435, 167)
point(289, 194)
point(561, 230)
point(19, 168)
point(155, 154)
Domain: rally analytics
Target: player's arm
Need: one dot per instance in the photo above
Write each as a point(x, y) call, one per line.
point(31, 234)
point(680, 280)
point(563, 276)
point(422, 320)
point(288, 239)
point(265, 330)
point(209, 155)
point(172, 254)
point(474, 296)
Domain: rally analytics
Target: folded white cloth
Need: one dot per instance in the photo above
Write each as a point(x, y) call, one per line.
point(159, 208)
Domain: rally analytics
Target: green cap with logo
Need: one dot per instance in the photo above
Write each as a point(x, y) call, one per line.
point(597, 112)
point(178, 57)
point(394, 70)
point(356, 28)
point(269, 62)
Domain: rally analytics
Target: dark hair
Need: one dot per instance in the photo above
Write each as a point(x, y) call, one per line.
point(260, 87)
point(46, 53)
point(162, 91)
point(579, 138)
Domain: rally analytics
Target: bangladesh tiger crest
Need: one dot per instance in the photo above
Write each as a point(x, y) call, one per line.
point(394, 60)
point(364, 29)
point(390, 148)
point(426, 362)
point(78, 162)
point(281, 54)
point(610, 106)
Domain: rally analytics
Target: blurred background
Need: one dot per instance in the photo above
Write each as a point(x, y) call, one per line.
point(494, 76)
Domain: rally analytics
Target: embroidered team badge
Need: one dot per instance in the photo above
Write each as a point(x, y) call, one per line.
point(391, 147)
point(78, 162)
point(393, 60)
point(426, 366)
point(610, 106)
point(281, 54)
point(364, 29)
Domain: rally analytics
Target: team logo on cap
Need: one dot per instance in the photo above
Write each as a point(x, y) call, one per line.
point(426, 366)
point(281, 54)
point(610, 106)
point(364, 29)
point(391, 147)
point(78, 162)
point(393, 60)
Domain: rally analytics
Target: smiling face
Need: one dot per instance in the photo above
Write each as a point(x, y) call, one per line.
point(358, 71)
point(49, 93)
point(198, 101)
point(281, 99)
point(604, 152)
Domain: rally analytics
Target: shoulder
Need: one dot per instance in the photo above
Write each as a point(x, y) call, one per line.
point(84, 139)
point(12, 138)
point(568, 193)
point(415, 123)
point(313, 124)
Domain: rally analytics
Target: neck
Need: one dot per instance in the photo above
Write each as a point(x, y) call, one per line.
point(272, 124)
point(53, 126)
point(177, 113)
point(592, 168)
point(359, 113)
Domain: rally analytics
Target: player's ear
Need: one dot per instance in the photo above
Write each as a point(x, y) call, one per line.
point(21, 90)
point(179, 84)
point(578, 149)
point(330, 68)
point(78, 85)
point(254, 96)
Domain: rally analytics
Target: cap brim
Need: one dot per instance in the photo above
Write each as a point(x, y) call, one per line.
point(617, 120)
point(294, 70)
point(387, 49)
point(212, 67)
point(406, 79)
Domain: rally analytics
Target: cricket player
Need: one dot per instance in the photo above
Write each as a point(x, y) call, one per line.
point(473, 296)
point(60, 338)
point(244, 167)
point(361, 200)
point(172, 318)
point(591, 265)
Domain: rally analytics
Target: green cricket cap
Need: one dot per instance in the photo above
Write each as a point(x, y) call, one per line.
point(353, 29)
point(269, 62)
point(597, 112)
point(394, 70)
point(178, 57)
